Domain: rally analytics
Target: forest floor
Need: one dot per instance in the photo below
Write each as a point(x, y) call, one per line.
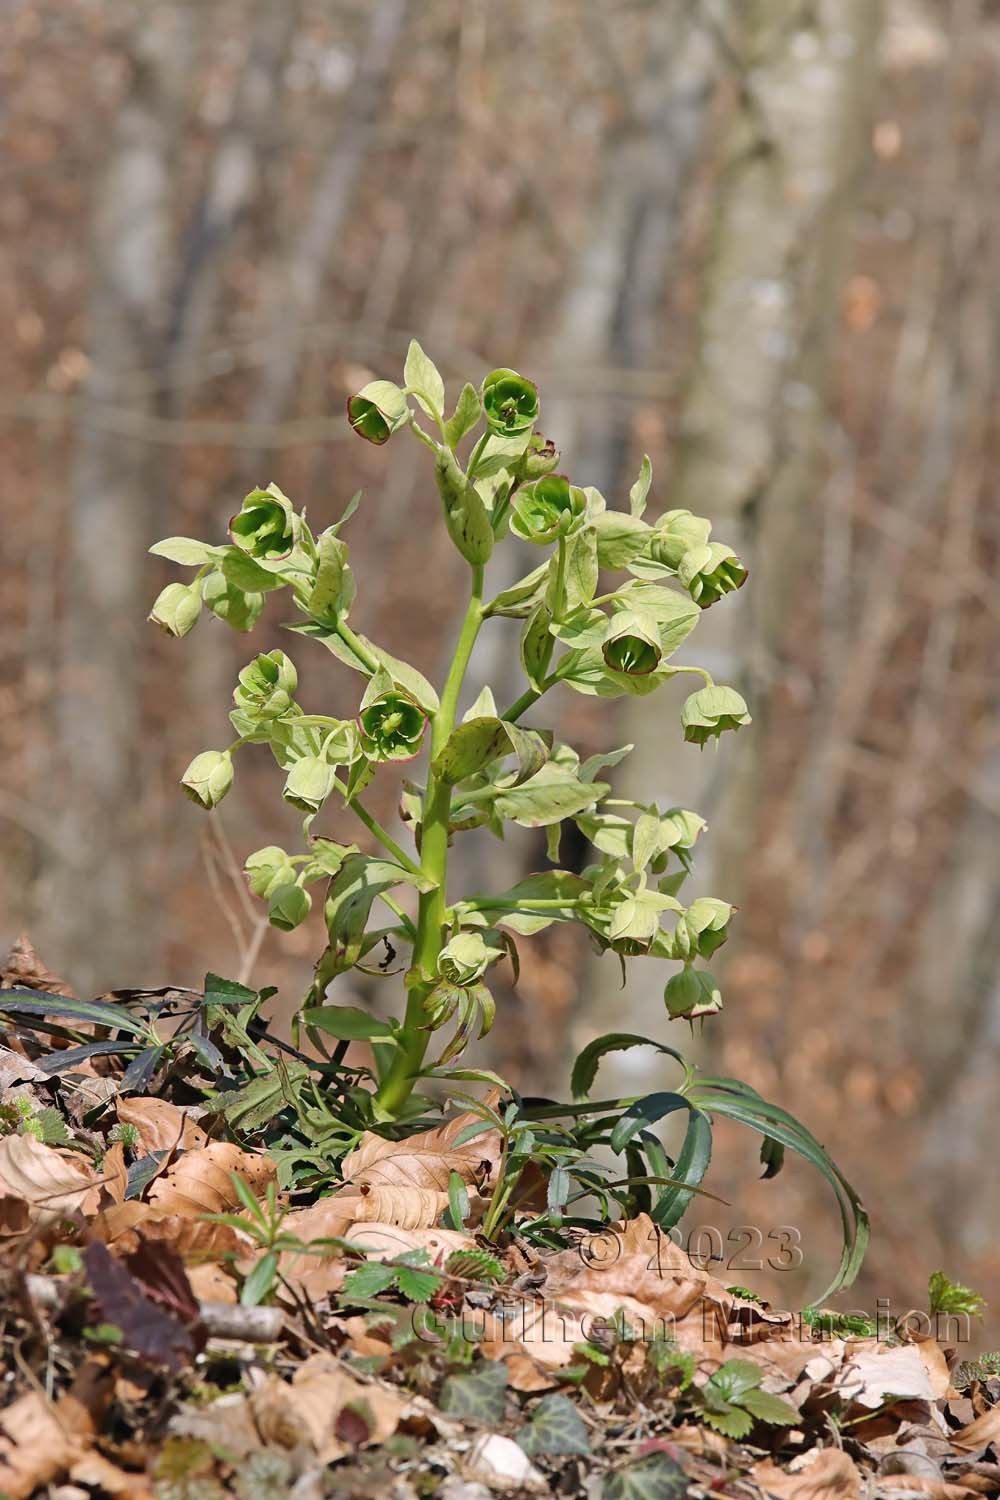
point(175, 1325)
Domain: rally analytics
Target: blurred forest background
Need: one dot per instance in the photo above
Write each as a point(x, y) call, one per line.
point(759, 239)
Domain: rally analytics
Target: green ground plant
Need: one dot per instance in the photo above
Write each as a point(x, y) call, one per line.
point(613, 597)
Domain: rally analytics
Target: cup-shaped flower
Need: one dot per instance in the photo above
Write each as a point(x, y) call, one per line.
point(392, 726)
point(266, 687)
point(465, 959)
point(209, 777)
point(266, 526)
point(377, 411)
point(287, 906)
point(546, 509)
point(710, 572)
point(267, 869)
point(176, 608)
point(309, 782)
point(539, 458)
point(677, 533)
point(710, 712)
point(632, 643)
point(692, 993)
point(510, 403)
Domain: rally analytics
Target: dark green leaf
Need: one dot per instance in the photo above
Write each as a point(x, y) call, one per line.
point(21, 1002)
point(478, 1396)
point(588, 1061)
point(657, 1477)
point(556, 1427)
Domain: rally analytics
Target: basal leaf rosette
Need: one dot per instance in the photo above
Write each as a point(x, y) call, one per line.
point(209, 777)
point(709, 573)
point(632, 643)
point(377, 411)
point(510, 403)
point(266, 687)
point(266, 527)
point(711, 712)
point(546, 509)
point(691, 995)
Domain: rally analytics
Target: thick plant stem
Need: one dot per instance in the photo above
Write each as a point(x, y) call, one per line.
point(399, 1081)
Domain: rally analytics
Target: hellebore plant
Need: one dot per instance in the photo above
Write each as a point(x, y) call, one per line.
point(611, 600)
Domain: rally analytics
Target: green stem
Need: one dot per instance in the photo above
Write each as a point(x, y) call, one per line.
point(432, 910)
point(375, 827)
point(368, 660)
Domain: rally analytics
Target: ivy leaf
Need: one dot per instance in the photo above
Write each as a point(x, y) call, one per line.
point(478, 1396)
point(423, 379)
point(556, 1427)
point(465, 416)
point(654, 1478)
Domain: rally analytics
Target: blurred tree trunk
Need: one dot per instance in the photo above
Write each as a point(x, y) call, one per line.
point(97, 905)
point(753, 413)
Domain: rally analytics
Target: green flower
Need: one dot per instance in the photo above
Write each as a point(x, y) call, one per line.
point(539, 458)
point(267, 869)
point(209, 777)
point(377, 411)
point(677, 533)
point(510, 402)
point(702, 928)
point(309, 782)
point(465, 959)
point(710, 572)
point(692, 993)
point(176, 608)
point(265, 527)
point(546, 509)
point(392, 726)
point(266, 687)
point(632, 644)
point(287, 906)
point(710, 712)
point(240, 609)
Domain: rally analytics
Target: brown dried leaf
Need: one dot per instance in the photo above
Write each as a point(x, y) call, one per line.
point(425, 1160)
point(147, 1329)
point(36, 1446)
point(199, 1182)
point(114, 1174)
point(874, 1372)
point(980, 1433)
point(922, 1484)
point(309, 1410)
point(50, 1182)
point(98, 1473)
point(22, 968)
point(387, 1241)
point(409, 1207)
point(825, 1474)
point(162, 1126)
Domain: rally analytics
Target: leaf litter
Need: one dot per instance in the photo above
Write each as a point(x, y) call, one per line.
point(372, 1340)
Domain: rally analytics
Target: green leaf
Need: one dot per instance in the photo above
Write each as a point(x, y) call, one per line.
point(477, 742)
point(588, 1061)
point(424, 380)
point(556, 1427)
point(402, 674)
point(657, 1477)
point(465, 416)
point(258, 1102)
point(458, 1203)
point(478, 1396)
point(23, 1002)
point(416, 1284)
point(348, 1023)
point(334, 589)
point(367, 1281)
point(246, 574)
point(548, 797)
point(547, 885)
point(620, 538)
point(637, 495)
point(260, 1280)
point(536, 645)
point(690, 1168)
point(644, 1112)
point(774, 1409)
point(474, 1265)
point(731, 1381)
point(186, 551)
point(731, 1421)
point(951, 1297)
point(519, 600)
point(581, 571)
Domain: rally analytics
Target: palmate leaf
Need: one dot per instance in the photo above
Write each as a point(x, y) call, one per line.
point(727, 1096)
point(657, 1477)
point(479, 1396)
point(556, 1427)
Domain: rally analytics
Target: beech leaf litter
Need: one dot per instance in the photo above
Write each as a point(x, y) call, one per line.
point(183, 1318)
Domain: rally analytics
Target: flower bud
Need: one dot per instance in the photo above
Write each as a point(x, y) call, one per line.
point(710, 712)
point(632, 644)
point(539, 458)
point(265, 527)
point(266, 686)
point(209, 777)
point(176, 608)
point(710, 572)
point(392, 727)
point(377, 411)
point(465, 959)
point(676, 533)
point(692, 993)
point(267, 869)
point(510, 403)
point(546, 509)
point(287, 906)
point(239, 608)
point(309, 783)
